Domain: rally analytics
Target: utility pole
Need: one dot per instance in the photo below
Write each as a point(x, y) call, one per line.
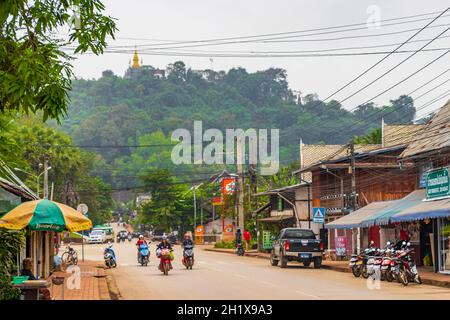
point(240, 183)
point(45, 178)
point(354, 205)
point(353, 174)
point(195, 211)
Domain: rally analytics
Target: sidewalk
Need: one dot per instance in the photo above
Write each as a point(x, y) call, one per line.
point(426, 273)
point(91, 283)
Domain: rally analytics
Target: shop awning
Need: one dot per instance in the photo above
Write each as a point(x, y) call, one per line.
point(276, 218)
point(354, 219)
point(424, 210)
point(384, 216)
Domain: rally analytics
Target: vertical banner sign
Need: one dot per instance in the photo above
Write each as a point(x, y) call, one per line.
point(341, 246)
point(266, 240)
point(228, 186)
point(199, 233)
point(228, 233)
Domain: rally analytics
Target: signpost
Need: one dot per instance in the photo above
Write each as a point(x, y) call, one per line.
point(84, 210)
point(266, 240)
point(438, 184)
point(318, 214)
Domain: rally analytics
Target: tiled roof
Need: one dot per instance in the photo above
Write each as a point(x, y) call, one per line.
point(434, 136)
point(314, 153)
point(394, 134)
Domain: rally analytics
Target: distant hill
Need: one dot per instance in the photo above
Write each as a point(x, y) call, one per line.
point(147, 105)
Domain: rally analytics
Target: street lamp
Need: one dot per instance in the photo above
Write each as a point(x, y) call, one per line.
point(36, 176)
point(193, 188)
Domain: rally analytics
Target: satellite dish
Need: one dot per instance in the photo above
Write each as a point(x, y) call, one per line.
point(82, 208)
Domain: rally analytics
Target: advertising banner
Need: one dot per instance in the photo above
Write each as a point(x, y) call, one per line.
point(341, 246)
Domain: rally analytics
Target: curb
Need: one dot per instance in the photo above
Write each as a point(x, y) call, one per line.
point(113, 290)
point(436, 283)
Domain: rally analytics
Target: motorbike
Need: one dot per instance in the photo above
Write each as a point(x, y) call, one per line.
point(118, 238)
point(240, 249)
point(144, 254)
point(358, 262)
point(165, 257)
point(369, 251)
point(129, 238)
point(188, 257)
point(386, 270)
point(110, 257)
point(404, 267)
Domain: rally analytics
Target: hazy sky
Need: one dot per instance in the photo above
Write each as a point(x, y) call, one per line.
point(148, 22)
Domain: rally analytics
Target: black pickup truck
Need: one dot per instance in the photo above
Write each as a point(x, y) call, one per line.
point(295, 244)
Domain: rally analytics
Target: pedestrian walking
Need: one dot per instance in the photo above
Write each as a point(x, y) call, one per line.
point(247, 237)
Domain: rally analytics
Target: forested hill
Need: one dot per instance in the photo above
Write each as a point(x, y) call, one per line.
point(145, 108)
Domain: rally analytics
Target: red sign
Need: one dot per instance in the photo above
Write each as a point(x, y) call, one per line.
point(217, 201)
point(228, 186)
point(341, 246)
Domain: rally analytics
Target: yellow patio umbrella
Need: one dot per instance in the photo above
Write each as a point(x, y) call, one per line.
point(45, 215)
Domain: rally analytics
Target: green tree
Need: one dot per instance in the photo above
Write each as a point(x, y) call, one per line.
point(168, 207)
point(34, 68)
point(372, 137)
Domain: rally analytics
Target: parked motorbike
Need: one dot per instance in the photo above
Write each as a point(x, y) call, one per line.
point(129, 237)
point(188, 257)
point(368, 252)
point(404, 267)
point(144, 255)
point(110, 257)
point(240, 249)
point(165, 258)
point(386, 270)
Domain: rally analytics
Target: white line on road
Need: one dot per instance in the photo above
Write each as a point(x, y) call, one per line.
point(268, 283)
point(306, 294)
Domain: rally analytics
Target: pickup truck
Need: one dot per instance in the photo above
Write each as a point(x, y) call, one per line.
point(295, 244)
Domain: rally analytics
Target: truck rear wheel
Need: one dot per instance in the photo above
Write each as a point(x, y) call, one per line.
point(317, 263)
point(307, 263)
point(283, 261)
point(273, 261)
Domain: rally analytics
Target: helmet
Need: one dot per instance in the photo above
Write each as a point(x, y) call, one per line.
point(141, 236)
point(164, 237)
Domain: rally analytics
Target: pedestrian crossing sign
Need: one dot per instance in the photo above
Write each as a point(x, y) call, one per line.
point(318, 214)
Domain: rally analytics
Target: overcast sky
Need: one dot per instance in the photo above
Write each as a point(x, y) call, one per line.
point(144, 22)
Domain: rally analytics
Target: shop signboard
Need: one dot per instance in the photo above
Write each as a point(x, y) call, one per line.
point(438, 185)
point(266, 240)
point(341, 246)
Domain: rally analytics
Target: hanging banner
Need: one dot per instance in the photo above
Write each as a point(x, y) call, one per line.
point(341, 246)
point(228, 186)
point(217, 201)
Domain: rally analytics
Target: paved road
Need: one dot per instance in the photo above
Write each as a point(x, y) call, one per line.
point(225, 276)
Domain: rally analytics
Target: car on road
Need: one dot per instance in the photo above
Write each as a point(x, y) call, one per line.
point(296, 244)
point(97, 236)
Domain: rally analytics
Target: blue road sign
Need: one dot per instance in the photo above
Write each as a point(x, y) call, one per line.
point(318, 214)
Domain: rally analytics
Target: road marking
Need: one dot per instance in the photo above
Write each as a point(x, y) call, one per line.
point(268, 283)
point(306, 294)
point(240, 276)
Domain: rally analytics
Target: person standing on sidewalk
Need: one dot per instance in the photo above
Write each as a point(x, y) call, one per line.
point(247, 237)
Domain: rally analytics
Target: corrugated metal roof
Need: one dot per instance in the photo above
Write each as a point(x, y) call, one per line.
point(424, 210)
point(354, 219)
point(434, 136)
point(283, 189)
point(385, 215)
point(15, 189)
point(394, 134)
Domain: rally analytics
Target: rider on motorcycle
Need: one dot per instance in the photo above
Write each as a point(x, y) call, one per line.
point(187, 242)
point(165, 244)
point(140, 241)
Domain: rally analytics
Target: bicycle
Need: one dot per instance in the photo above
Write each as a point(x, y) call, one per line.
point(69, 257)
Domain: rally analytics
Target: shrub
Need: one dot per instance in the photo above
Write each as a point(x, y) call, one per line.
point(225, 244)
